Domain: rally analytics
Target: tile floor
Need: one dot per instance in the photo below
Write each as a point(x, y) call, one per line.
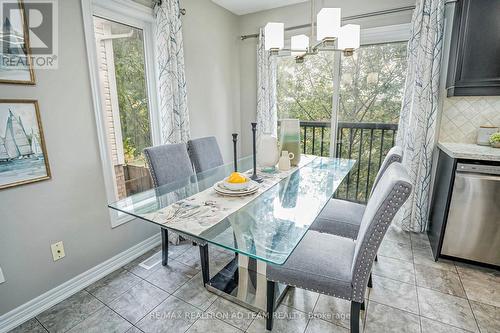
point(411, 293)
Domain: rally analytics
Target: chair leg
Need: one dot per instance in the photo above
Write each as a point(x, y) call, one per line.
point(164, 247)
point(355, 309)
point(370, 284)
point(270, 304)
point(205, 273)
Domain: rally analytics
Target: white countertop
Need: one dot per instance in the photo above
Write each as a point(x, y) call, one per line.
point(470, 151)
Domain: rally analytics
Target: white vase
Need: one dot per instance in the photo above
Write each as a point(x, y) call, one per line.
point(267, 152)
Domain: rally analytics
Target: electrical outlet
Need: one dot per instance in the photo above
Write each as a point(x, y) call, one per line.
point(57, 250)
point(2, 278)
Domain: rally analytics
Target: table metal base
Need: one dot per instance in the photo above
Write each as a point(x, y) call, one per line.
point(243, 281)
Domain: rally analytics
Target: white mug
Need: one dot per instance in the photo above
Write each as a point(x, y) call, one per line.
point(284, 162)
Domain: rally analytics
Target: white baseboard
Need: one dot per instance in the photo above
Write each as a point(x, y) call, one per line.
point(30, 309)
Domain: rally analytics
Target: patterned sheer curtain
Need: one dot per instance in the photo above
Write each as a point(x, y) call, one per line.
point(267, 114)
point(174, 116)
point(173, 110)
point(417, 124)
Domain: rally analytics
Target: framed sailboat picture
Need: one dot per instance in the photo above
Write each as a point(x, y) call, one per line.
point(23, 156)
point(16, 65)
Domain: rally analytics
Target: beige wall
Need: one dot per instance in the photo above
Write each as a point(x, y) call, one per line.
point(212, 71)
point(297, 15)
point(72, 205)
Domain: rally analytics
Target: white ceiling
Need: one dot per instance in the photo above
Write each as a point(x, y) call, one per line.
point(242, 7)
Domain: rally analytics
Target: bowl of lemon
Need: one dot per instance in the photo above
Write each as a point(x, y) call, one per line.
point(237, 182)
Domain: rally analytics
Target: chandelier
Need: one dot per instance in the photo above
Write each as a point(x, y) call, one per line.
point(330, 36)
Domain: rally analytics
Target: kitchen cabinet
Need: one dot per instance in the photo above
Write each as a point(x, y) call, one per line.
point(474, 64)
point(464, 219)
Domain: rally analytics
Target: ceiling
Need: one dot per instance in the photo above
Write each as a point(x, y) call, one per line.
point(242, 7)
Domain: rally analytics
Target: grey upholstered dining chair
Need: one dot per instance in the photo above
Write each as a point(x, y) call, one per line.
point(339, 266)
point(168, 164)
point(205, 153)
point(343, 218)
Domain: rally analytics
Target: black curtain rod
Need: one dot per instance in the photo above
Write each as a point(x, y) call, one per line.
point(158, 3)
point(347, 18)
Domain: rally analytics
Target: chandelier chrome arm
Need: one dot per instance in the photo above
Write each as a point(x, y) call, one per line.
point(312, 51)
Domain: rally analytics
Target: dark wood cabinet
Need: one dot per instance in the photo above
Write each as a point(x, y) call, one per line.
point(474, 66)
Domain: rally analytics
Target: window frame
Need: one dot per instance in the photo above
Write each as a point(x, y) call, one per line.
point(133, 14)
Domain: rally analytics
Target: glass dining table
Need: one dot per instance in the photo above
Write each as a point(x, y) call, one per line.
point(261, 228)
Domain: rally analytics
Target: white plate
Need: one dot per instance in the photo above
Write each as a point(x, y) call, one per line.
point(221, 189)
point(232, 195)
point(251, 186)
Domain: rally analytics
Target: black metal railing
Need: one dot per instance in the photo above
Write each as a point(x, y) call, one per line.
point(368, 143)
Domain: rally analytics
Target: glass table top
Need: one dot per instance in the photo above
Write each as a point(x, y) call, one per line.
point(268, 226)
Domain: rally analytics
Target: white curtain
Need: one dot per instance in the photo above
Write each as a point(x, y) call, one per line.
point(417, 124)
point(267, 115)
point(174, 116)
point(173, 110)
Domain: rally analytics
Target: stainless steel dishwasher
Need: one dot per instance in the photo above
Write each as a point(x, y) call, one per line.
point(473, 227)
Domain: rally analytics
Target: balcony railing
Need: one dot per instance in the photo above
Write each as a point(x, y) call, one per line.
point(368, 143)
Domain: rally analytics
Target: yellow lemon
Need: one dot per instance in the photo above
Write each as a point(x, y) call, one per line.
point(236, 178)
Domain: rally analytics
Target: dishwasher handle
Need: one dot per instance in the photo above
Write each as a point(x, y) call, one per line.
point(477, 176)
point(478, 168)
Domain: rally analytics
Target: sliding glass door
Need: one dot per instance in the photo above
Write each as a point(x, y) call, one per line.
point(371, 89)
point(368, 92)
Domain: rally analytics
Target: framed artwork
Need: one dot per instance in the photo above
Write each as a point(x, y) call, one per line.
point(15, 57)
point(23, 156)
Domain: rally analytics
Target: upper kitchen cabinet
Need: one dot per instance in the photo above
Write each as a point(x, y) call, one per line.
point(474, 67)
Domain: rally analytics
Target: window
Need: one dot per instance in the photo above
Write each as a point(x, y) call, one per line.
point(368, 90)
point(120, 56)
point(119, 44)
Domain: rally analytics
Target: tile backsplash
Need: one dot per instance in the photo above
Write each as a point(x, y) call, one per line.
point(462, 117)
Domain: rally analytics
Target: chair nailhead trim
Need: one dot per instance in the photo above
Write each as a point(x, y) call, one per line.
point(379, 228)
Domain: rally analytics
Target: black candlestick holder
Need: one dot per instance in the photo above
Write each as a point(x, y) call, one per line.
point(235, 140)
point(255, 177)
